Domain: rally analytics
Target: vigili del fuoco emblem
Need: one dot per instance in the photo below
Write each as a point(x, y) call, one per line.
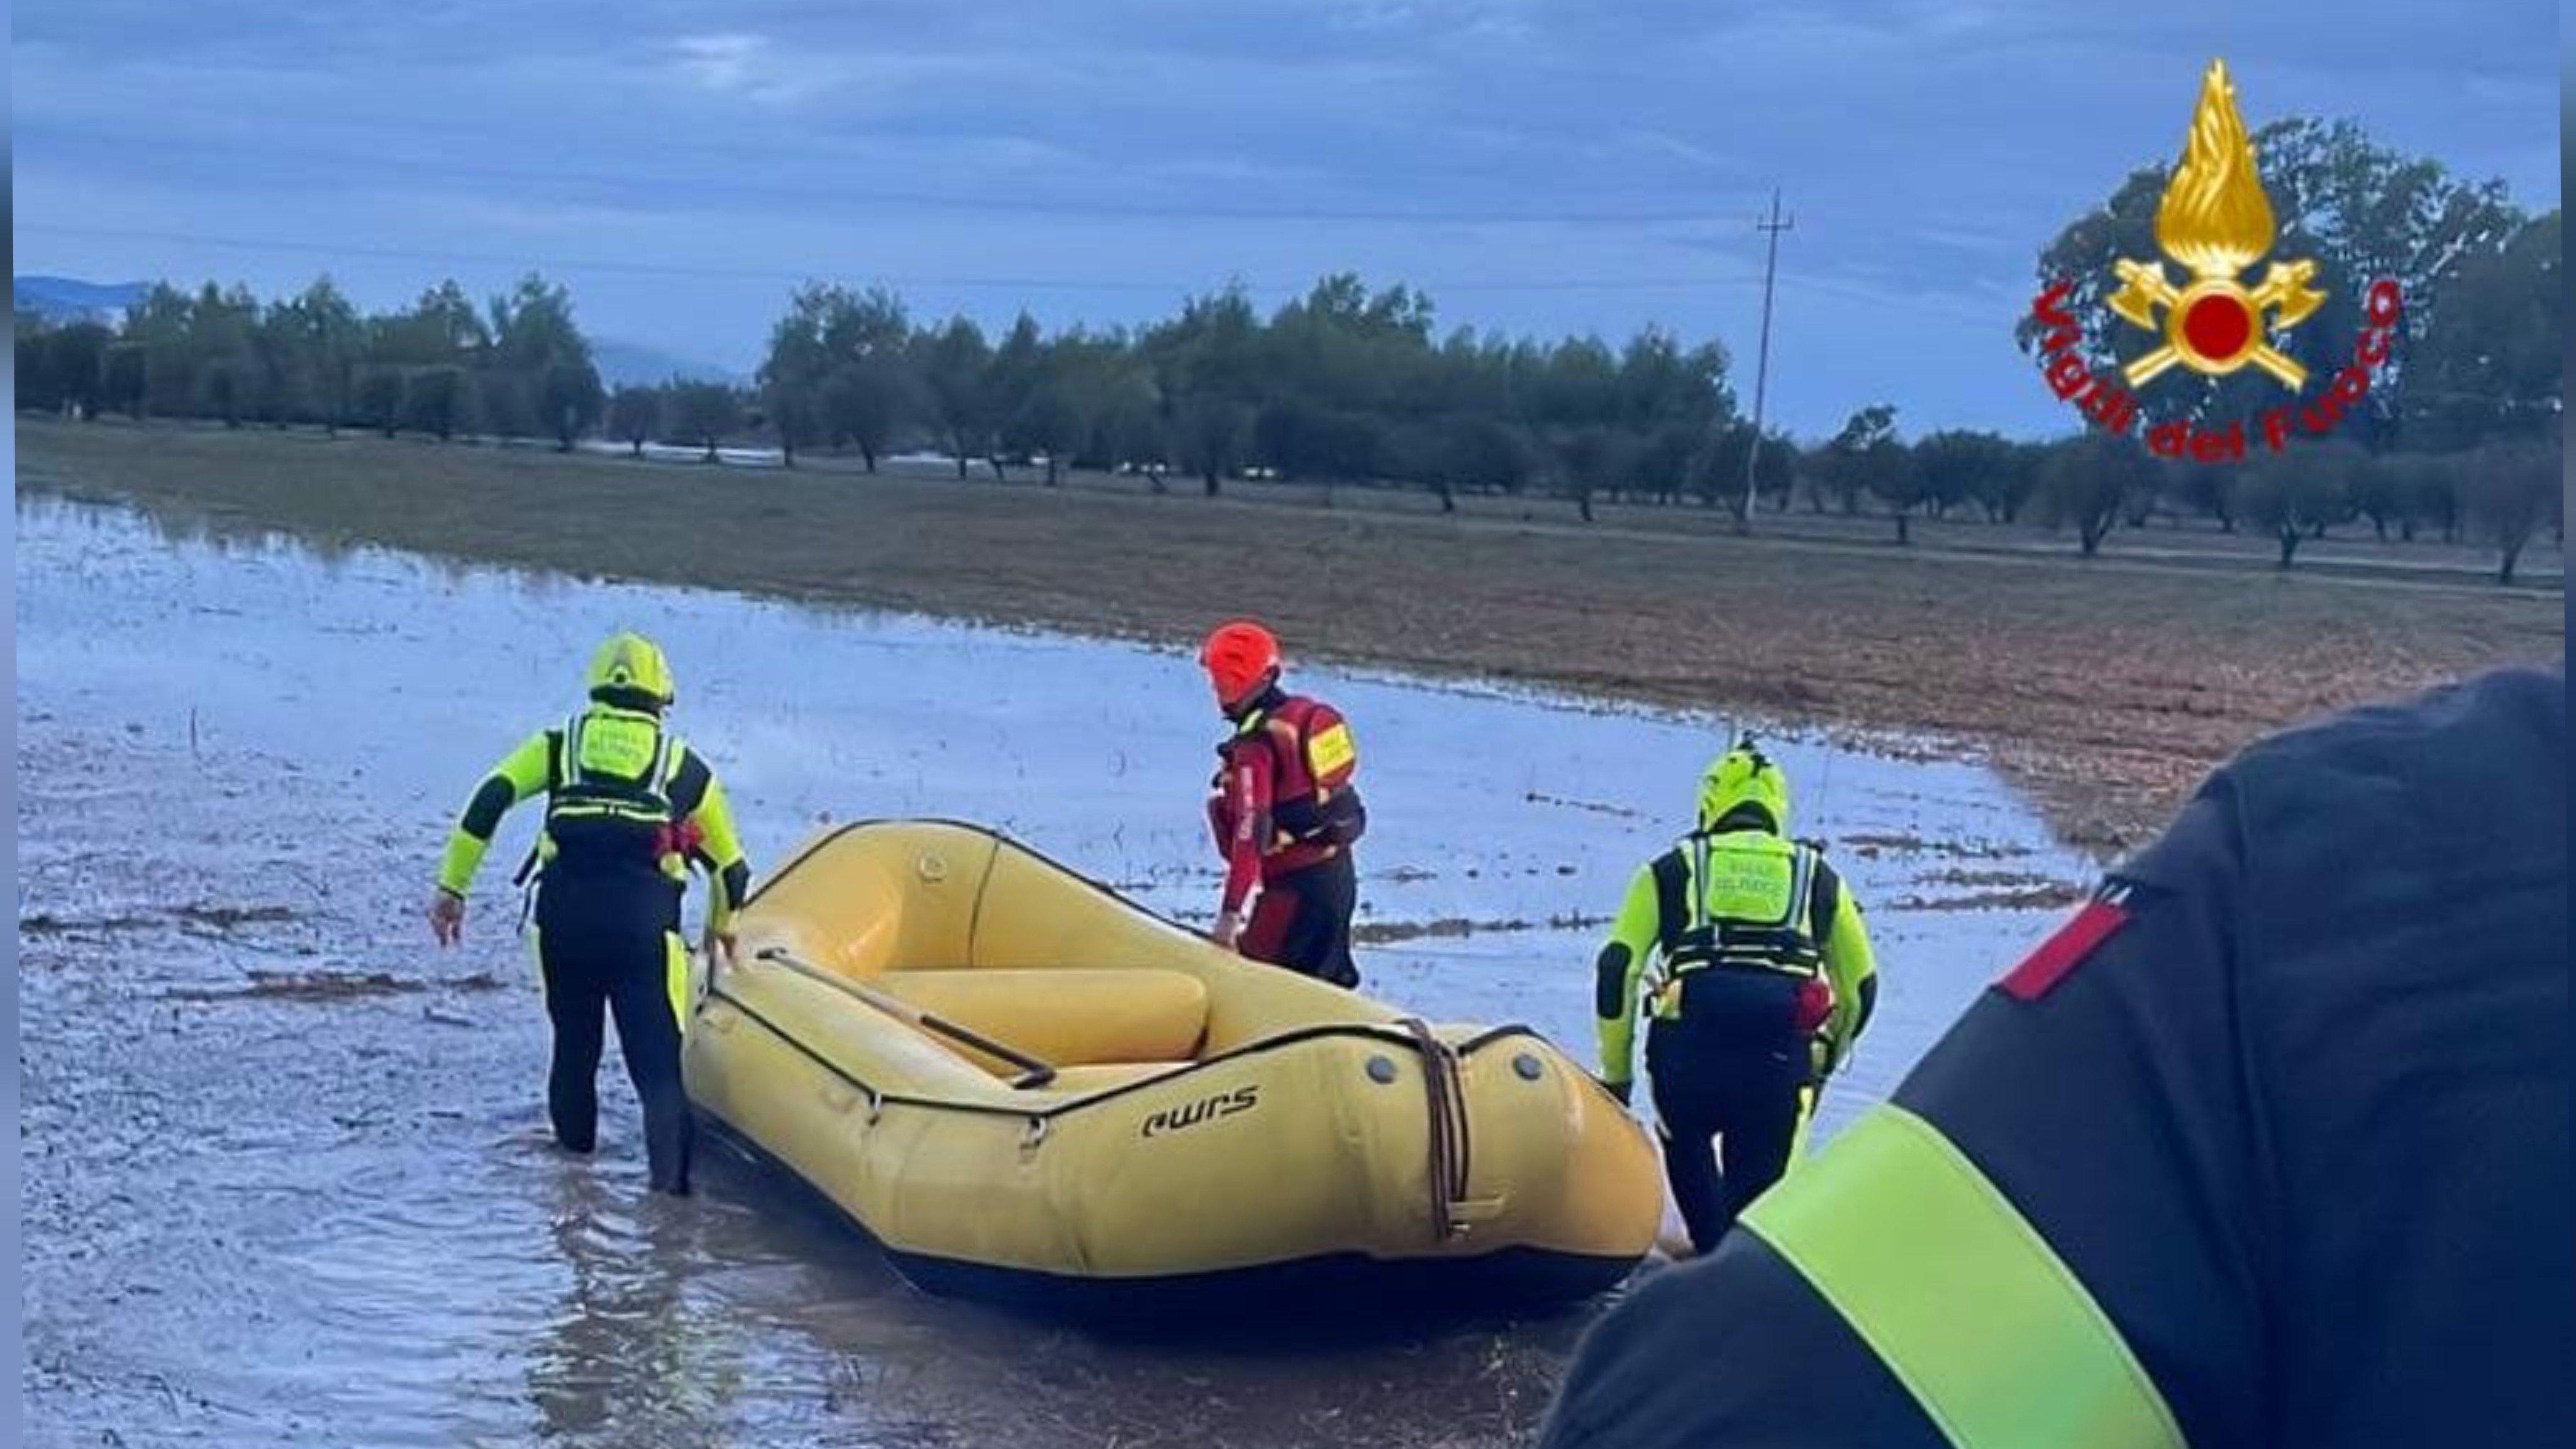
point(2215, 222)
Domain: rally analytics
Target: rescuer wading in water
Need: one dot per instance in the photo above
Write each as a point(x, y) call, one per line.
point(629, 809)
point(1748, 952)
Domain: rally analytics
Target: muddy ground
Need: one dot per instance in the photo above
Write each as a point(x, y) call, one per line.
point(2105, 687)
point(286, 1172)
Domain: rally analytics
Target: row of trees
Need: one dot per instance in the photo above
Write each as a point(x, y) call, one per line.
point(518, 367)
point(1342, 383)
point(2504, 491)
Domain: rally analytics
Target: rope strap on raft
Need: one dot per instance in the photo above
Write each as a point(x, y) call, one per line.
point(1444, 1091)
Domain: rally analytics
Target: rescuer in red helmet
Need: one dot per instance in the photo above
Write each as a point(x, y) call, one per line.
point(1284, 811)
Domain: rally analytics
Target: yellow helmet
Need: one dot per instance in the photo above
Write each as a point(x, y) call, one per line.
point(630, 664)
point(1740, 777)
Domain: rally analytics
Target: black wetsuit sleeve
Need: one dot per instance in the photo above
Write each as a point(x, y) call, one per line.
point(492, 800)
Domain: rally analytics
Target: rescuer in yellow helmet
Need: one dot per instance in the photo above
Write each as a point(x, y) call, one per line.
point(1749, 954)
point(629, 809)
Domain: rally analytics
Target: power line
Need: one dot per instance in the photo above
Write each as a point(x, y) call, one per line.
point(293, 246)
point(325, 164)
point(628, 266)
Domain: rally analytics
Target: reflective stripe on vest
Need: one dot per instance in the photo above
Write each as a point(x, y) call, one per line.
point(1958, 1295)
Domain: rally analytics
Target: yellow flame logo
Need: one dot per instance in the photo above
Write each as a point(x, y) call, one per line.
point(2215, 220)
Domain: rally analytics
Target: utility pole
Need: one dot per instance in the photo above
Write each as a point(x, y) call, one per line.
point(1762, 364)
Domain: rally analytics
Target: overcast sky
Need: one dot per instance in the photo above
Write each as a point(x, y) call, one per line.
point(1539, 167)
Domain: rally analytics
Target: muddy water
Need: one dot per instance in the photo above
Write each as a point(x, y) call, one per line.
point(286, 1175)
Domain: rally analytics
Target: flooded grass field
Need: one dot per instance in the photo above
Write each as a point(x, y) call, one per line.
point(2105, 687)
point(286, 1174)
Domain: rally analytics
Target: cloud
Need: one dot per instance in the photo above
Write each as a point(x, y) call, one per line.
point(751, 68)
point(724, 63)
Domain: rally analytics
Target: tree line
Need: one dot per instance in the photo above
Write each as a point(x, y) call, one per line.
point(1344, 383)
point(1352, 384)
point(516, 367)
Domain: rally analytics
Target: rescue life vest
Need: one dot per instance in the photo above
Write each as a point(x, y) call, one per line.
point(1312, 759)
point(1742, 900)
point(609, 807)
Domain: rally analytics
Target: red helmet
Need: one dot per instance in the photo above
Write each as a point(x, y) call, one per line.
point(1240, 656)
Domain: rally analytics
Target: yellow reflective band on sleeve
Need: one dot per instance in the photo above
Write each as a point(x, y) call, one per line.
point(1330, 751)
point(1959, 1295)
point(463, 856)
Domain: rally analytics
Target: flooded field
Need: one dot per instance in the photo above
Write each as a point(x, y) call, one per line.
point(286, 1170)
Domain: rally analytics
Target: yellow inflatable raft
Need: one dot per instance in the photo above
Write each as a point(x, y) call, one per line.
point(1029, 1089)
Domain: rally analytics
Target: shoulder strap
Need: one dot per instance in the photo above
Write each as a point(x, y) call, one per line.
point(1698, 892)
point(667, 753)
point(570, 774)
point(1802, 884)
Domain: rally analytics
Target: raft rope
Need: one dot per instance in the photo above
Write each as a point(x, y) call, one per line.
point(1444, 1091)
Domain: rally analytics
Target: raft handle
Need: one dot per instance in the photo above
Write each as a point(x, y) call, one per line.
point(1445, 1093)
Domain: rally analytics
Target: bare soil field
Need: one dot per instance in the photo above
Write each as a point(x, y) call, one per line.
point(2105, 687)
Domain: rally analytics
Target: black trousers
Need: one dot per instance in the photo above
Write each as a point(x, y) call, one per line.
point(607, 957)
point(1303, 921)
point(1730, 1097)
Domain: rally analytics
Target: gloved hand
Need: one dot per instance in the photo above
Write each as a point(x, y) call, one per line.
point(1227, 931)
point(1625, 1091)
point(717, 945)
point(446, 916)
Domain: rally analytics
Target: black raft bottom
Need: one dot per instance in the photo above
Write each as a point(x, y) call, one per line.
point(1330, 1295)
point(1334, 1296)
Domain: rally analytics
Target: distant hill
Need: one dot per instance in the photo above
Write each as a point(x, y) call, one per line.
point(64, 299)
point(623, 364)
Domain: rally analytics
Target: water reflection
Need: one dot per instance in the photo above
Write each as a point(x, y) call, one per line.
point(625, 1350)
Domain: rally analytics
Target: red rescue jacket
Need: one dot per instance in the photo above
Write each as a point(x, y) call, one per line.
point(1282, 799)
